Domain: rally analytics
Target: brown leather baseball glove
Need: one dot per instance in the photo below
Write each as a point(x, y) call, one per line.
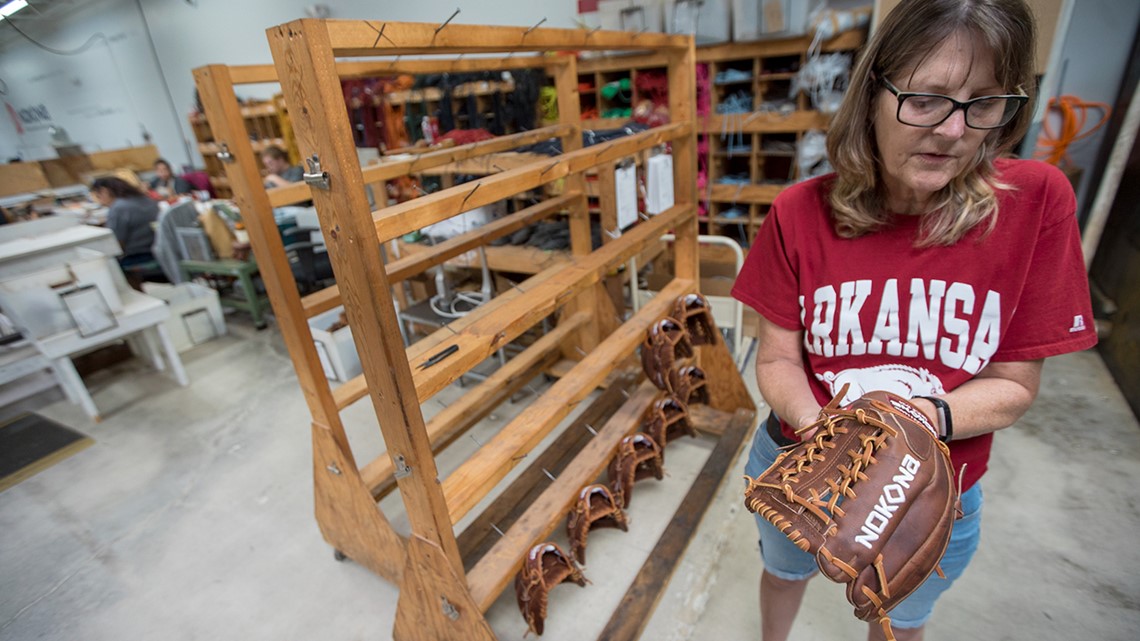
point(689, 385)
point(544, 567)
point(595, 507)
point(667, 419)
point(638, 457)
point(665, 342)
point(871, 494)
point(694, 312)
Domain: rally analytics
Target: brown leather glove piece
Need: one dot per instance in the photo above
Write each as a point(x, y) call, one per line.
point(667, 419)
point(595, 507)
point(665, 342)
point(689, 384)
point(545, 566)
point(872, 495)
point(694, 312)
point(638, 457)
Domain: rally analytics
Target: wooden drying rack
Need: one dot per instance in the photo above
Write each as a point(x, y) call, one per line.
point(441, 596)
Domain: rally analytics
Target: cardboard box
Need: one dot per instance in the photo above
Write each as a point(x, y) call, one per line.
point(708, 21)
point(335, 348)
point(195, 313)
point(758, 19)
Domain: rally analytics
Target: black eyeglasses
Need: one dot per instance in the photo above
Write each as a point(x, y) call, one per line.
point(931, 109)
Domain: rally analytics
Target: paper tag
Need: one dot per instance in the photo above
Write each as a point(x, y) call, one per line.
point(659, 183)
point(625, 183)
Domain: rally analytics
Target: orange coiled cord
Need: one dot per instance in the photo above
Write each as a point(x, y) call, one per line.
point(1052, 147)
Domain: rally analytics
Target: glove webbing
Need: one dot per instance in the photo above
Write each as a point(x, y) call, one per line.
point(829, 426)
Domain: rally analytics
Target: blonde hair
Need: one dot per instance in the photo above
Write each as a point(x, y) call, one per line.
point(907, 36)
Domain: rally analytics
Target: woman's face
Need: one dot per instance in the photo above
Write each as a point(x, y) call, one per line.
point(917, 162)
point(162, 170)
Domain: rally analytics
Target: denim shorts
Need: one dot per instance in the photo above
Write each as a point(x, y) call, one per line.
point(784, 560)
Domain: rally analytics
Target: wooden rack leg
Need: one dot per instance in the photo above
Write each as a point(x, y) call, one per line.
point(727, 391)
point(435, 604)
point(348, 517)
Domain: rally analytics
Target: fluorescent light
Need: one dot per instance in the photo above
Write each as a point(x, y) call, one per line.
point(12, 7)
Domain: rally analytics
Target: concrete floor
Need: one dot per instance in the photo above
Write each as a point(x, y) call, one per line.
point(191, 518)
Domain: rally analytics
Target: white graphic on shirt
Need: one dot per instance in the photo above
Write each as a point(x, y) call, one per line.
point(905, 381)
point(1078, 324)
point(924, 318)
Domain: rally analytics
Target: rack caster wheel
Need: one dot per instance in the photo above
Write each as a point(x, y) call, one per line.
point(339, 556)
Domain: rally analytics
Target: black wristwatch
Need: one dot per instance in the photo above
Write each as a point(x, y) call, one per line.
point(945, 420)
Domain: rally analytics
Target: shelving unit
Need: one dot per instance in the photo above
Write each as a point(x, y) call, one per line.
point(346, 503)
point(758, 145)
point(266, 124)
point(449, 578)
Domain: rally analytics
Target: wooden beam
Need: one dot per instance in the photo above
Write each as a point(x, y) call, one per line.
point(496, 569)
point(362, 38)
point(357, 388)
point(321, 301)
point(485, 165)
point(258, 74)
point(629, 619)
point(408, 266)
point(459, 416)
point(468, 484)
point(299, 192)
point(682, 98)
point(303, 55)
point(414, 214)
point(479, 537)
point(488, 328)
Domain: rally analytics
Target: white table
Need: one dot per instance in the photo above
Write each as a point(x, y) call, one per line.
point(26, 247)
point(143, 317)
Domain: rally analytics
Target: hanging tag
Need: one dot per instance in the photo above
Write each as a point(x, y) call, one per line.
point(625, 182)
point(659, 183)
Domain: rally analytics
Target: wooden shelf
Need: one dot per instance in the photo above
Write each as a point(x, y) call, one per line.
point(434, 94)
point(761, 122)
point(749, 194)
point(432, 563)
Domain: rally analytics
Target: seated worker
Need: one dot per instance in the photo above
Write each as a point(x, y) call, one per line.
point(281, 173)
point(165, 183)
point(130, 216)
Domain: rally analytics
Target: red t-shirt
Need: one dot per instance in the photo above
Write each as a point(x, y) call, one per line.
point(881, 314)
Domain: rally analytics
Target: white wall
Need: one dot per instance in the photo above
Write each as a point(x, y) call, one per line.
point(1095, 47)
point(86, 96)
point(103, 96)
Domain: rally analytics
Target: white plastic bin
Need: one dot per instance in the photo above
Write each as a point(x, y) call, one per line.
point(195, 313)
point(335, 348)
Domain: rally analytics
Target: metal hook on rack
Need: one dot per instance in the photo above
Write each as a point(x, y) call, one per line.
point(380, 34)
point(527, 32)
point(440, 27)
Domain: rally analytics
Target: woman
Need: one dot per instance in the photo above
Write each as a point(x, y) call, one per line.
point(926, 265)
point(165, 183)
point(130, 215)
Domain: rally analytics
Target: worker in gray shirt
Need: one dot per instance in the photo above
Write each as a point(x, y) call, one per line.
point(280, 172)
point(130, 216)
